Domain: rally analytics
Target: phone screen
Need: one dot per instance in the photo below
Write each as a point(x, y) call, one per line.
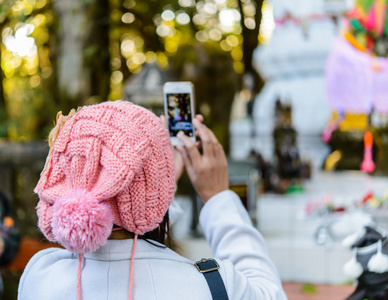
point(179, 114)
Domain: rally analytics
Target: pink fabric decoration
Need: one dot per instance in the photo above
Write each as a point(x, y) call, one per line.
point(371, 17)
point(367, 164)
point(356, 81)
point(348, 79)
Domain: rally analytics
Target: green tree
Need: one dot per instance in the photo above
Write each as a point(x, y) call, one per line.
point(196, 36)
point(4, 14)
point(85, 50)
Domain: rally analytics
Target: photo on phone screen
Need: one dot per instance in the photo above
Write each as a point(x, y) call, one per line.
point(179, 114)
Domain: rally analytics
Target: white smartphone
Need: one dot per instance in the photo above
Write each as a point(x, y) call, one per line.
point(179, 109)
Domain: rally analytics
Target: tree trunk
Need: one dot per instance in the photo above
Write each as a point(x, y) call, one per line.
point(3, 108)
point(2, 97)
point(97, 55)
point(250, 43)
point(83, 52)
point(252, 80)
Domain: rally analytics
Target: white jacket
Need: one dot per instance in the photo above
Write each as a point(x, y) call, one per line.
point(159, 273)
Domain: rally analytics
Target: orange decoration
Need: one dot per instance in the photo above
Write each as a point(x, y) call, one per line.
point(368, 139)
point(8, 221)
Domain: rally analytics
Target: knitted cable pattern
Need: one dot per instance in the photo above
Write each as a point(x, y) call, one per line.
point(111, 163)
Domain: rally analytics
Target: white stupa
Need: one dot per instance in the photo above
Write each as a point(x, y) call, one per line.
point(293, 66)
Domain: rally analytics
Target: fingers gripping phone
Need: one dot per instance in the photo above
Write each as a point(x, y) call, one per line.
point(179, 109)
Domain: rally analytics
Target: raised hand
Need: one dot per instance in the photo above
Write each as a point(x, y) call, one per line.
point(208, 172)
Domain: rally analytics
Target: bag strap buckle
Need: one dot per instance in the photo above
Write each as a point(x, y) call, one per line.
point(206, 265)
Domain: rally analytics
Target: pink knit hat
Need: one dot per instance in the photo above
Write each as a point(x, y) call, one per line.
point(110, 163)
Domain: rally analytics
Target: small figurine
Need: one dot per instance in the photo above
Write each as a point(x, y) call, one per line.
point(369, 264)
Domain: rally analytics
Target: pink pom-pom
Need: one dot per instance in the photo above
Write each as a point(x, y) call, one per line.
point(80, 223)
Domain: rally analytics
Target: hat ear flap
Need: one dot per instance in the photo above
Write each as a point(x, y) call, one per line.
point(353, 268)
point(80, 222)
point(378, 263)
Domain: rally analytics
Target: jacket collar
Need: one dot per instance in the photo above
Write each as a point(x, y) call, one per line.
point(115, 250)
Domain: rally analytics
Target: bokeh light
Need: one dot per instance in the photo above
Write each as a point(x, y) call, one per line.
point(21, 44)
point(35, 81)
point(199, 19)
point(127, 48)
point(163, 30)
point(215, 34)
point(139, 58)
point(183, 18)
point(225, 46)
point(267, 25)
point(250, 23)
point(168, 15)
point(128, 18)
point(201, 36)
point(117, 77)
point(186, 3)
point(249, 9)
point(210, 8)
point(232, 40)
point(228, 17)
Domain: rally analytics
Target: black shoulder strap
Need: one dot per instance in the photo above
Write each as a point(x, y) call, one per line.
point(209, 268)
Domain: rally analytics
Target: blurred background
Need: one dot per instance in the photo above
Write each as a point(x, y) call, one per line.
point(295, 90)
